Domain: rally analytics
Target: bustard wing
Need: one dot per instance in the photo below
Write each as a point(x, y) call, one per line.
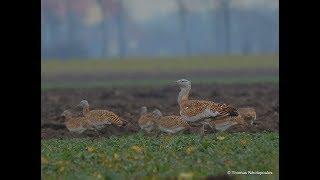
point(113, 118)
point(172, 122)
point(193, 107)
point(223, 109)
point(145, 119)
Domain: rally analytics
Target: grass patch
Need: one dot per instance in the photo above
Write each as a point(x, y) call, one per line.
point(158, 82)
point(166, 156)
point(178, 64)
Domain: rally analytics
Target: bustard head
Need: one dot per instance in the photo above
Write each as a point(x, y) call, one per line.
point(83, 103)
point(157, 112)
point(183, 83)
point(143, 110)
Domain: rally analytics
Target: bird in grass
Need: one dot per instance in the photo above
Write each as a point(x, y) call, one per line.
point(223, 123)
point(74, 124)
point(146, 120)
point(170, 124)
point(99, 118)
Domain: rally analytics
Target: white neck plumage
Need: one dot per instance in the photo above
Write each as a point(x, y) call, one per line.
point(183, 94)
point(85, 110)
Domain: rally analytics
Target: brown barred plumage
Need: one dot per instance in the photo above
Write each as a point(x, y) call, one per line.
point(172, 124)
point(103, 116)
point(194, 107)
point(193, 110)
point(99, 118)
point(245, 115)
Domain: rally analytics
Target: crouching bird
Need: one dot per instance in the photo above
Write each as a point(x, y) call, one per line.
point(147, 120)
point(97, 119)
point(74, 124)
point(170, 124)
point(246, 116)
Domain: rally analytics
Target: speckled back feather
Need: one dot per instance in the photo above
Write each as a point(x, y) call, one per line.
point(245, 114)
point(146, 119)
point(103, 116)
point(195, 107)
point(172, 122)
point(99, 117)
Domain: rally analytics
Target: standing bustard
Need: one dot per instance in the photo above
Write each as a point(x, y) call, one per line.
point(199, 110)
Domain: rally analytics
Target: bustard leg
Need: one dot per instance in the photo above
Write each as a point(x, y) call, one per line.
point(207, 122)
point(158, 133)
point(97, 132)
point(213, 130)
point(202, 133)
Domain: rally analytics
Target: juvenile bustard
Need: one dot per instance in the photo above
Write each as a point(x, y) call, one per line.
point(99, 118)
point(74, 124)
point(170, 124)
point(246, 116)
point(146, 120)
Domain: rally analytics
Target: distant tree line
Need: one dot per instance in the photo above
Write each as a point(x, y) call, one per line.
point(220, 30)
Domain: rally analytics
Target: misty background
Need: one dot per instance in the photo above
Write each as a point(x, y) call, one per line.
point(125, 28)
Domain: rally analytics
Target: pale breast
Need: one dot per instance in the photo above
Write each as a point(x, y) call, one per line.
point(75, 125)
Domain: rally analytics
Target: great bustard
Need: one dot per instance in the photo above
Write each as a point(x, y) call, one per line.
point(199, 110)
point(99, 118)
point(245, 116)
point(147, 120)
point(170, 124)
point(74, 124)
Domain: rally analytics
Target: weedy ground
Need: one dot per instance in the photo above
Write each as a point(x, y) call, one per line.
point(138, 155)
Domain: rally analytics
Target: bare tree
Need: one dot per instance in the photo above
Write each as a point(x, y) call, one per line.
point(225, 7)
point(222, 15)
point(183, 25)
point(70, 22)
point(121, 34)
point(104, 27)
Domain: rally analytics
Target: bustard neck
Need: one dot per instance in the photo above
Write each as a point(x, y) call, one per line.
point(85, 110)
point(184, 94)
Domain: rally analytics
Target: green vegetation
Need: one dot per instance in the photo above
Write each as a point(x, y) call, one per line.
point(58, 72)
point(164, 156)
point(54, 67)
point(158, 82)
